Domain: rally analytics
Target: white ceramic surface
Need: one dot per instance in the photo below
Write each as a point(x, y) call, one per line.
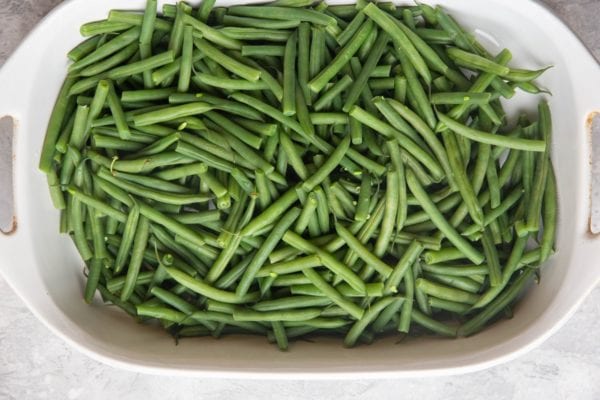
point(44, 269)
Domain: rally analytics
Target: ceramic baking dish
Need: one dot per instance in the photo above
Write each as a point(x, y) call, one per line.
point(45, 270)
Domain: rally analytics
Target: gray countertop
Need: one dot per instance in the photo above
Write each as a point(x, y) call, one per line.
point(34, 364)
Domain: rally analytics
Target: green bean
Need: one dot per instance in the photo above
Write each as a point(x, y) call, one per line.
point(444, 254)
point(303, 60)
point(146, 94)
point(229, 63)
point(308, 213)
point(262, 188)
point(129, 232)
point(262, 128)
point(325, 99)
point(94, 271)
point(330, 292)
point(235, 129)
point(446, 293)
point(327, 258)
point(541, 172)
point(497, 305)
point(398, 122)
point(198, 217)
point(267, 110)
point(106, 64)
point(459, 282)
point(162, 313)
point(213, 183)
point(364, 199)
point(185, 68)
point(223, 259)
point(242, 180)
point(288, 267)
point(405, 263)
point(362, 79)
point(110, 47)
point(475, 61)
point(136, 19)
point(317, 51)
point(145, 39)
point(84, 48)
point(56, 194)
point(456, 270)
point(165, 74)
point(433, 325)
point(116, 284)
point(261, 34)
point(96, 204)
point(176, 302)
point(232, 20)
point(218, 37)
point(319, 322)
point(289, 76)
point(206, 290)
point(293, 155)
point(322, 209)
point(496, 140)
point(438, 219)
point(328, 118)
point(350, 29)
point(400, 38)
point(318, 82)
point(181, 171)
point(137, 253)
point(280, 336)
point(371, 259)
point(156, 195)
point(262, 50)
point(54, 125)
point(550, 211)
point(282, 13)
point(268, 245)
point(327, 167)
point(117, 112)
point(170, 113)
point(389, 217)
point(460, 98)
point(368, 317)
point(304, 314)
point(382, 83)
point(386, 316)
point(228, 319)
point(289, 280)
point(123, 71)
point(171, 224)
point(461, 179)
point(343, 197)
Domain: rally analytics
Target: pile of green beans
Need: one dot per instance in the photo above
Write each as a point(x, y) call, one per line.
point(297, 168)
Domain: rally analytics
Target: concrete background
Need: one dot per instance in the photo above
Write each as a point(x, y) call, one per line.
point(36, 365)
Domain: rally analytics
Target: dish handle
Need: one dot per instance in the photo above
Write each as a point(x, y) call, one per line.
point(15, 88)
point(590, 105)
point(10, 102)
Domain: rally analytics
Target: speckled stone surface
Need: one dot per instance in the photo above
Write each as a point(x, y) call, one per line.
point(34, 364)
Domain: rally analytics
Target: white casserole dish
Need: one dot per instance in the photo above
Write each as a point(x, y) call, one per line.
point(44, 268)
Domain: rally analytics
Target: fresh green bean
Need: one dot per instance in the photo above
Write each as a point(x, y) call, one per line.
point(398, 35)
point(137, 254)
point(330, 292)
point(496, 140)
point(342, 58)
point(439, 220)
point(368, 317)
